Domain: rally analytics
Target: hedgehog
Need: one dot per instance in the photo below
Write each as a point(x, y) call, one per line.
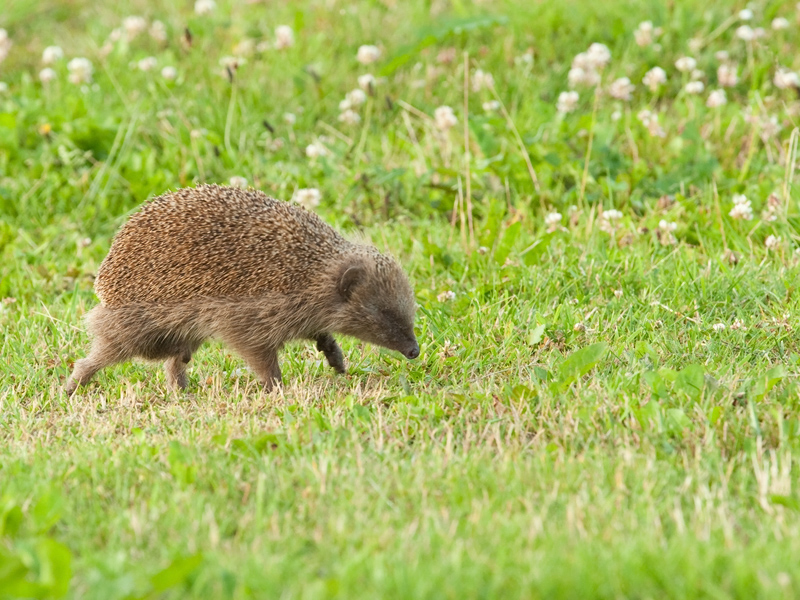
point(249, 270)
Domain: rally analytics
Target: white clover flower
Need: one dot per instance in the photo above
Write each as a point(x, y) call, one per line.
point(772, 242)
point(696, 44)
point(552, 220)
point(491, 105)
point(579, 76)
point(290, 118)
point(742, 208)
point(784, 78)
point(695, 87)
point(52, 54)
point(356, 97)
point(446, 296)
point(284, 37)
point(307, 197)
point(80, 70)
point(650, 121)
point(524, 59)
point(244, 47)
point(158, 31)
point(746, 33)
point(665, 232)
point(238, 181)
point(133, 26)
point(368, 54)
point(780, 23)
point(727, 75)
point(47, 75)
point(654, 78)
point(644, 33)
point(773, 207)
point(716, 99)
point(316, 150)
point(446, 56)
point(366, 81)
point(444, 118)
point(350, 117)
point(567, 102)
point(667, 226)
point(616, 115)
point(598, 55)
point(697, 74)
point(345, 104)
point(147, 64)
point(169, 73)
point(582, 61)
point(718, 326)
point(745, 14)
point(685, 64)
point(5, 44)
point(621, 89)
point(481, 80)
point(115, 35)
point(230, 64)
point(607, 223)
point(770, 126)
point(3, 87)
point(204, 7)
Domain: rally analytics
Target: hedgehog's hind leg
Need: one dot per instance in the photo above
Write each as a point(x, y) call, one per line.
point(175, 367)
point(263, 360)
point(328, 346)
point(104, 353)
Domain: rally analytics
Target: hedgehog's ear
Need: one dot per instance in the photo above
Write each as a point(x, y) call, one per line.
point(349, 279)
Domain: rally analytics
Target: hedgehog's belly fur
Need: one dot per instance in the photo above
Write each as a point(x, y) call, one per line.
point(156, 331)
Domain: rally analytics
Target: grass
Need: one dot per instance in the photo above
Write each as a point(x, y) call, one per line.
point(604, 409)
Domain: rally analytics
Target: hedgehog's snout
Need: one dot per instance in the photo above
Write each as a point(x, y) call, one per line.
point(412, 351)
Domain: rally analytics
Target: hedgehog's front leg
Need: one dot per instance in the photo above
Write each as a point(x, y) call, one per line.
point(328, 346)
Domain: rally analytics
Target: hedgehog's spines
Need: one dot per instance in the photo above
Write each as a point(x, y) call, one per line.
point(253, 271)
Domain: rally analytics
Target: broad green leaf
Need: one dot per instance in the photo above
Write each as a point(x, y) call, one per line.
point(176, 573)
point(677, 420)
point(690, 381)
point(766, 382)
point(786, 501)
point(56, 570)
point(656, 383)
point(10, 519)
point(47, 510)
point(579, 363)
point(536, 334)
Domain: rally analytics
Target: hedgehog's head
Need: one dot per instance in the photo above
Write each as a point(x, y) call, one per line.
point(377, 303)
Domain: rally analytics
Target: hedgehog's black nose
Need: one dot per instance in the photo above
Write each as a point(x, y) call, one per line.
point(412, 352)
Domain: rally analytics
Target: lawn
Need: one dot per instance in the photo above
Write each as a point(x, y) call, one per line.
point(606, 404)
